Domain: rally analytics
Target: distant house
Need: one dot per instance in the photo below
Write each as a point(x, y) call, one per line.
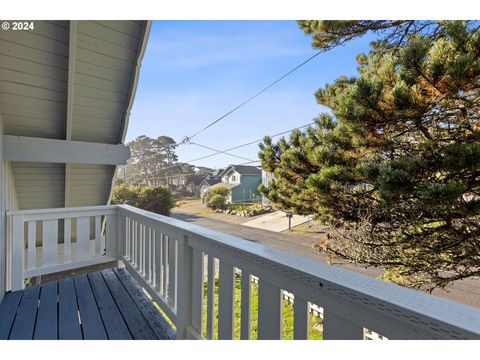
point(208, 182)
point(243, 182)
point(200, 183)
point(193, 182)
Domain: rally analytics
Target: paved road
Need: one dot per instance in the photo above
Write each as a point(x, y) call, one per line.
point(466, 291)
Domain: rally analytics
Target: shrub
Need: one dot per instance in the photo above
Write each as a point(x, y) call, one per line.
point(215, 190)
point(124, 194)
point(217, 201)
point(157, 199)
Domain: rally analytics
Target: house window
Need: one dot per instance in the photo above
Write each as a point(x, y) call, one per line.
point(234, 178)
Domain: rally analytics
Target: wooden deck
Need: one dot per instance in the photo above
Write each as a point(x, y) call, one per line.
point(100, 305)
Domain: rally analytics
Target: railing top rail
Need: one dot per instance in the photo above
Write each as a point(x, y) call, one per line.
point(415, 306)
point(62, 210)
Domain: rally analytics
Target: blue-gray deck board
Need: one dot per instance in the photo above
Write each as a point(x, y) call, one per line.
point(24, 324)
point(157, 322)
point(8, 310)
point(100, 305)
point(92, 324)
point(46, 326)
point(112, 319)
point(68, 325)
point(136, 322)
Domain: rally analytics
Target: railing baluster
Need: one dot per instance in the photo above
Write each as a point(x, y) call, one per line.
point(172, 272)
point(126, 237)
point(147, 273)
point(245, 313)
point(210, 296)
point(184, 308)
point(98, 225)
point(336, 327)
point(300, 319)
point(67, 240)
point(137, 244)
point(83, 235)
point(269, 311)
point(226, 301)
point(158, 262)
point(32, 229)
point(132, 242)
point(140, 247)
point(50, 242)
point(164, 265)
point(129, 239)
point(197, 291)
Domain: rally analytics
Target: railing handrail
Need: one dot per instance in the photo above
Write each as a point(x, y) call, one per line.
point(61, 210)
point(412, 306)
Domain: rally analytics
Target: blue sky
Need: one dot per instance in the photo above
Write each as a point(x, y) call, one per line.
point(195, 71)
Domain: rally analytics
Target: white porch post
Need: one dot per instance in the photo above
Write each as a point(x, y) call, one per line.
point(121, 234)
point(17, 246)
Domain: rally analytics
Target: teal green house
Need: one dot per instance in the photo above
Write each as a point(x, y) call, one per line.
point(243, 182)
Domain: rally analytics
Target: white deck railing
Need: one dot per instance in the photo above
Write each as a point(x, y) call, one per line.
point(172, 259)
point(51, 240)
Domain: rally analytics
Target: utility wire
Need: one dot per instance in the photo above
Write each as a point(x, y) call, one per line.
point(188, 138)
point(249, 143)
point(221, 151)
point(217, 152)
point(250, 162)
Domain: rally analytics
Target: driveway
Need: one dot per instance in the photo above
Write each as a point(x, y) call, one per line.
point(300, 243)
point(276, 221)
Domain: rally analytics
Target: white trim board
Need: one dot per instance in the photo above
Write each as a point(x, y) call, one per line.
point(23, 148)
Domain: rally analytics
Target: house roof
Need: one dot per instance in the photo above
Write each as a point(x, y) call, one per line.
point(217, 172)
point(243, 170)
point(196, 180)
point(227, 185)
point(213, 180)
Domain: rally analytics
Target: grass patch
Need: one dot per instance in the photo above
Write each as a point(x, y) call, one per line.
point(287, 314)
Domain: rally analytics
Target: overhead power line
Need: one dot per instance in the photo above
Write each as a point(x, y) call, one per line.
point(221, 151)
point(218, 152)
point(249, 143)
point(189, 138)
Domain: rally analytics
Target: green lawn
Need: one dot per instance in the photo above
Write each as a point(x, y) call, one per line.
point(315, 322)
point(315, 334)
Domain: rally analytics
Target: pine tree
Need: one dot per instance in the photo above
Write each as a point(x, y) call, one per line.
point(395, 167)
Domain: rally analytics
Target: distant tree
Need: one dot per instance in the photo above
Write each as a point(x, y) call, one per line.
point(152, 161)
point(144, 160)
point(395, 167)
